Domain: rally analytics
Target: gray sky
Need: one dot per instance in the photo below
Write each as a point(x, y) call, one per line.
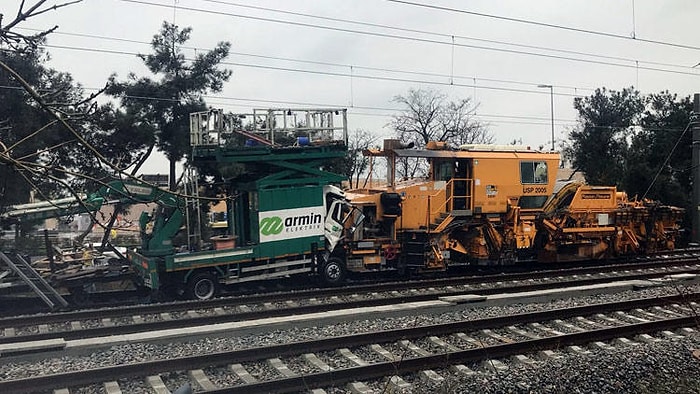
point(304, 54)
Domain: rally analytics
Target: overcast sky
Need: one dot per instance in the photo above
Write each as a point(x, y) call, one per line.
point(359, 54)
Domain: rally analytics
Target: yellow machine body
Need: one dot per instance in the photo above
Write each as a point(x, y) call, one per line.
point(501, 204)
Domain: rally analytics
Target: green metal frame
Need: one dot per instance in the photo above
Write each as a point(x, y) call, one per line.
point(274, 168)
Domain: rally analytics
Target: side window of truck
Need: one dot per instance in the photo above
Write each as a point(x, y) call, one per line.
point(337, 211)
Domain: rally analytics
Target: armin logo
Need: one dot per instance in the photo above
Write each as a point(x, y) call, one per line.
point(271, 226)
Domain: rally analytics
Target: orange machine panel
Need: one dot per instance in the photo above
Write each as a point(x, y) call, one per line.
point(499, 176)
point(600, 198)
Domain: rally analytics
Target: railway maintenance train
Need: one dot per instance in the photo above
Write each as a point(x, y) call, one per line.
point(478, 204)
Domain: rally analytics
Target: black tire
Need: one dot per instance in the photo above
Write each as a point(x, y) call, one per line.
point(202, 286)
point(333, 272)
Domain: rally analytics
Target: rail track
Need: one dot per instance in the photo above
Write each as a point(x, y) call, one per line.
point(385, 356)
point(12, 306)
point(153, 317)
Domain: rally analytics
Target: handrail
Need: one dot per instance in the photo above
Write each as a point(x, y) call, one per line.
point(448, 204)
point(310, 125)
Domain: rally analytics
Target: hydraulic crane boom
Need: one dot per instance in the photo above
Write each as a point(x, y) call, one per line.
point(157, 230)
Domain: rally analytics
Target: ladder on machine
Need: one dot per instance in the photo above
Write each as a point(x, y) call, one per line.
point(193, 212)
point(33, 279)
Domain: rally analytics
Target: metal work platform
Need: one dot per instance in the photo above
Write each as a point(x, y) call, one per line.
point(278, 147)
point(267, 134)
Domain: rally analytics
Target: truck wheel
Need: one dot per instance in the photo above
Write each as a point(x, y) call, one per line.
point(202, 286)
point(333, 272)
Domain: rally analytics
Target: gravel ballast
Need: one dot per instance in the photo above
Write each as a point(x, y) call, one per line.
point(651, 367)
point(663, 367)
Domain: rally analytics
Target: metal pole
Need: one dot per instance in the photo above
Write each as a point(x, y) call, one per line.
point(551, 102)
point(551, 99)
point(695, 165)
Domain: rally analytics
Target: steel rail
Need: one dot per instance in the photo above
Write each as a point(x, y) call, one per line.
point(103, 374)
point(414, 364)
point(297, 310)
point(60, 317)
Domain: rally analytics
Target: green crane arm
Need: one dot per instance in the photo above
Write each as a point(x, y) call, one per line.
point(157, 230)
point(50, 209)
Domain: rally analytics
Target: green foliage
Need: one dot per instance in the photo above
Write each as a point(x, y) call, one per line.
point(18, 117)
point(162, 106)
point(658, 164)
point(38, 146)
point(639, 143)
point(599, 147)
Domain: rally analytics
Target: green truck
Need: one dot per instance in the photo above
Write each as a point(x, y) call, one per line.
point(286, 216)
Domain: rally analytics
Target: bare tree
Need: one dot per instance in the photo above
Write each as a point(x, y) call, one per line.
point(428, 115)
point(19, 41)
point(357, 163)
point(48, 134)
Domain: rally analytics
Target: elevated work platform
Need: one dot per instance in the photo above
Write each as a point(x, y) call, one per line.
point(278, 147)
point(275, 159)
point(246, 137)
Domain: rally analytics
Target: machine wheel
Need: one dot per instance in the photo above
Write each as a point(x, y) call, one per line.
point(202, 286)
point(333, 272)
point(402, 270)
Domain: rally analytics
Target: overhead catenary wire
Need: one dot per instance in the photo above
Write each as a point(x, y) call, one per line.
point(444, 35)
point(331, 73)
point(331, 64)
point(416, 39)
point(379, 69)
point(248, 100)
point(668, 157)
point(342, 74)
point(544, 24)
point(474, 85)
point(441, 75)
point(361, 76)
point(343, 20)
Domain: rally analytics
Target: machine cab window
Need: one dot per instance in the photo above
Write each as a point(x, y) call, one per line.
point(533, 172)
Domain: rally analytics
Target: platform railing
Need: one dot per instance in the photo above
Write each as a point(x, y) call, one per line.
point(448, 195)
point(270, 127)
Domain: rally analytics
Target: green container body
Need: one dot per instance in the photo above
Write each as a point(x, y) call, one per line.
point(306, 201)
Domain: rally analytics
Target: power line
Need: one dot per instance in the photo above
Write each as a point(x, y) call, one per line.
point(355, 113)
point(334, 74)
point(347, 66)
point(444, 35)
point(352, 110)
point(543, 24)
point(424, 40)
point(313, 103)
